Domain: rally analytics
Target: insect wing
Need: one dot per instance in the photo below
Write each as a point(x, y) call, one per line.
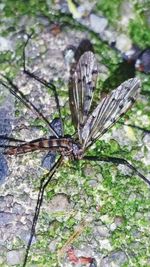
point(109, 110)
point(81, 86)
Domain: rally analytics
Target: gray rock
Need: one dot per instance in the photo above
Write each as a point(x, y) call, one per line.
point(9, 199)
point(115, 259)
point(117, 222)
point(2, 250)
point(24, 235)
point(5, 44)
point(109, 35)
point(146, 141)
point(14, 257)
point(2, 203)
point(123, 43)
point(18, 209)
point(102, 231)
point(53, 244)
point(3, 168)
point(6, 218)
point(97, 23)
point(59, 203)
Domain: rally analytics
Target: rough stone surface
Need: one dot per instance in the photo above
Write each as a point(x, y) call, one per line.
point(6, 218)
point(88, 193)
point(115, 259)
point(98, 24)
point(123, 43)
point(14, 257)
point(58, 203)
point(5, 44)
point(102, 231)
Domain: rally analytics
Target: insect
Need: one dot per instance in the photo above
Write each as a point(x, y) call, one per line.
point(89, 124)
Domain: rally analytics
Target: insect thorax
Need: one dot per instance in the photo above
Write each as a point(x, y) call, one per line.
point(69, 148)
point(77, 151)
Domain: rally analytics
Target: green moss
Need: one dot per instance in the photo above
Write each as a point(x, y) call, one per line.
point(110, 9)
point(139, 29)
point(140, 32)
point(112, 194)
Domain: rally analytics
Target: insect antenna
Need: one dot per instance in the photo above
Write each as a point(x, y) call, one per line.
point(42, 81)
point(43, 184)
point(14, 90)
point(118, 161)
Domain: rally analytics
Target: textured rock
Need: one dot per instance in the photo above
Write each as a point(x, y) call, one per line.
point(116, 259)
point(98, 24)
point(5, 44)
point(14, 257)
point(123, 43)
point(58, 203)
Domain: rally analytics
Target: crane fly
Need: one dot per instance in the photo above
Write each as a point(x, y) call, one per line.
point(89, 124)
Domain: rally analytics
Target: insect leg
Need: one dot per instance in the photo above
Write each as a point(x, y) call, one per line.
point(49, 85)
point(44, 182)
point(136, 127)
point(118, 161)
point(10, 139)
point(14, 90)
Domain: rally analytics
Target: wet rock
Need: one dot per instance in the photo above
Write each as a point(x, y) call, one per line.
point(115, 259)
point(14, 257)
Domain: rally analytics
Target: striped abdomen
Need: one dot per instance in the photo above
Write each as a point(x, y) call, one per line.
point(53, 144)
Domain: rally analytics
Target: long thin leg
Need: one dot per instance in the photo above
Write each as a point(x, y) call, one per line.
point(136, 127)
point(44, 182)
point(14, 90)
point(49, 85)
point(118, 161)
point(10, 139)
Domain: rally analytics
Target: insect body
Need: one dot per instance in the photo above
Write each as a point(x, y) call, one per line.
point(90, 125)
point(66, 146)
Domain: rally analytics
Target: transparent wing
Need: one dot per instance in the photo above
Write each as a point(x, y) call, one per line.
point(81, 86)
point(109, 110)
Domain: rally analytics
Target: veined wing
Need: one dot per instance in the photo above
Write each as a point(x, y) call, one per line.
point(110, 109)
point(81, 86)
